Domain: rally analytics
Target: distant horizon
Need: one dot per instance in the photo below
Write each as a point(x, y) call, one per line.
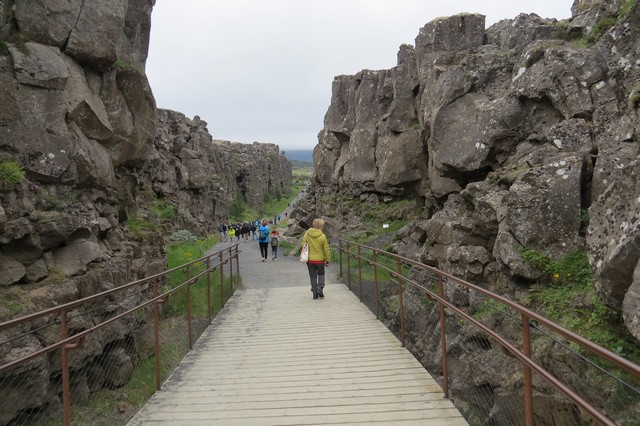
point(299, 154)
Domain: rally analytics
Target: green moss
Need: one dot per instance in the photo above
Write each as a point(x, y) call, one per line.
point(626, 8)
point(164, 210)
point(120, 64)
point(138, 226)
point(11, 175)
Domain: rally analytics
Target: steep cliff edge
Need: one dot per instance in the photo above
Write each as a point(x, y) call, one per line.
point(506, 138)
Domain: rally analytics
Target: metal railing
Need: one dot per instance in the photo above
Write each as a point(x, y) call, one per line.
point(449, 295)
point(103, 338)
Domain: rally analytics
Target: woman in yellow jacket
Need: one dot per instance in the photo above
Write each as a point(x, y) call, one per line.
point(319, 256)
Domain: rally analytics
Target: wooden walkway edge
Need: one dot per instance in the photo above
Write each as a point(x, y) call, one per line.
point(275, 356)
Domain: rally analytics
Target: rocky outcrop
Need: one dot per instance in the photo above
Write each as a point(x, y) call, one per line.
point(520, 136)
point(78, 115)
point(506, 137)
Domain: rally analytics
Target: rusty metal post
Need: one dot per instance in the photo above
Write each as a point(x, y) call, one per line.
point(230, 260)
point(528, 391)
point(401, 313)
point(443, 340)
point(66, 383)
point(156, 332)
point(221, 281)
point(237, 261)
point(375, 280)
point(340, 252)
point(348, 266)
point(360, 274)
point(187, 274)
point(209, 289)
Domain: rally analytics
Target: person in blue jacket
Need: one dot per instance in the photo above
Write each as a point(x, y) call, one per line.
point(263, 239)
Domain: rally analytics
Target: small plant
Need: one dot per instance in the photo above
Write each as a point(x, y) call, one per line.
point(138, 226)
point(164, 210)
point(62, 199)
point(601, 26)
point(183, 236)
point(584, 217)
point(238, 207)
point(4, 49)
point(11, 174)
point(572, 269)
point(626, 8)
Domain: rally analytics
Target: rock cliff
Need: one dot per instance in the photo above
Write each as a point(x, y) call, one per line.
point(79, 118)
point(507, 138)
point(521, 137)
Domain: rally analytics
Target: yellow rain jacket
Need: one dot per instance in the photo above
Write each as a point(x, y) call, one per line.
point(318, 246)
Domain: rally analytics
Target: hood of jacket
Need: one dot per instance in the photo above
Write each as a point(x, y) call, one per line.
point(314, 233)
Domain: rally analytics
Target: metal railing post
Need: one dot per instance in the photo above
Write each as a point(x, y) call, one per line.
point(375, 280)
point(528, 391)
point(401, 313)
point(189, 325)
point(348, 266)
point(237, 260)
point(221, 281)
point(340, 252)
point(209, 289)
point(66, 385)
point(230, 260)
point(443, 340)
point(360, 274)
point(156, 332)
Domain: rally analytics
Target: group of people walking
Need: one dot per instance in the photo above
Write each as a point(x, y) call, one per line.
point(319, 253)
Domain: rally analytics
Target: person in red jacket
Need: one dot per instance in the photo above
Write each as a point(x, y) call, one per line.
point(319, 256)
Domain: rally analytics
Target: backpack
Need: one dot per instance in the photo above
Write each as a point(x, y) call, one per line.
point(274, 240)
point(263, 234)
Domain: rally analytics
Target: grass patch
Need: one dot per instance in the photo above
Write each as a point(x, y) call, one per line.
point(139, 226)
point(11, 175)
point(565, 294)
point(164, 210)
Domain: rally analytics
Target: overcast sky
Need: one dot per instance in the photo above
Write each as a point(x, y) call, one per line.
point(261, 70)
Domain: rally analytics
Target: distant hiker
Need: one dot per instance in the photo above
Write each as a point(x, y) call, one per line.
point(263, 239)
point(274, 245)
point(319, 256)
point(253, 228)
point(222, 229)
point(232, 232)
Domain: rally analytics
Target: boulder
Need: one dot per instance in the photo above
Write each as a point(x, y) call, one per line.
point(39, 65)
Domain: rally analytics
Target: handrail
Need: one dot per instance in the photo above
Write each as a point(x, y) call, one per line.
point(527, 316)
point(210, 263)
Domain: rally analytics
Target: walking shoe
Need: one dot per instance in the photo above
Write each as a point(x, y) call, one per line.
point(263, 259)
point(320, 294)
point(315, 295)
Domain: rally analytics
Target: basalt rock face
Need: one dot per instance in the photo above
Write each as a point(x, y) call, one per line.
point(205, 176)
point(507, 138)
point(78, 115)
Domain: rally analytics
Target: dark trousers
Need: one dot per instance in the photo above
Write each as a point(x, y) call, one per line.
point(316, 276)
point(264, 249)
point(274, 252)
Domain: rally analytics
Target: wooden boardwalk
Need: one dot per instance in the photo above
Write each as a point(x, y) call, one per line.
point(275, 356)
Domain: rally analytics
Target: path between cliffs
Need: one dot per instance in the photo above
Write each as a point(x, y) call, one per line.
point(286, 271)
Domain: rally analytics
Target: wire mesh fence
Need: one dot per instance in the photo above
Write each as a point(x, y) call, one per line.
point(532, 372)
point(97, 360)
